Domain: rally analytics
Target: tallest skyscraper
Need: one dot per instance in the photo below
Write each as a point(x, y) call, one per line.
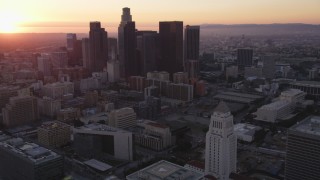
point(126, 42)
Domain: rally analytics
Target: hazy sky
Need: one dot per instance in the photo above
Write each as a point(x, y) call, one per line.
point(37, 15)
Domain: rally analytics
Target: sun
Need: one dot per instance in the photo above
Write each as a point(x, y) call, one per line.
point(9, 22)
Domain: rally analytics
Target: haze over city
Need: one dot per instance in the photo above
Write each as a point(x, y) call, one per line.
point(159, 90)
point(63, 16)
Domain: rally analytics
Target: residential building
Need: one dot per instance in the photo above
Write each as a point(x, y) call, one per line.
point(20, 110)
point(122, 118)
point(54, 134)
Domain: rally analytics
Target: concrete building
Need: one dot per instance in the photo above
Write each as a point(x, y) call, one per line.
point(68, 115)
point(245, 57)
point(151, 91)
point(122, 118)
point(89, 84)
point(269, 67)
point(137, 83)
point(253, 72)
point(232, 71)
point(195, 166)
point(25, 160)
point(148, 109)
point(91, 98)
point(110, 96)
point(180, 77)
point(54, 134)
point(58, 89)
point(221, 144)
point(44, 64)
point(310, 87)
point(95, 139)
point(165, 170)
point(162, 75)
point(245, 132)
point(59, 59)
point(113, 69)
point(20, 110)
point(154, 136)
point(48, 106)
point(303, 155)
point(281, 109)
point(183, 92)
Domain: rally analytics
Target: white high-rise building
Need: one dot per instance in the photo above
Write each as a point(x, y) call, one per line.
point(221, 144)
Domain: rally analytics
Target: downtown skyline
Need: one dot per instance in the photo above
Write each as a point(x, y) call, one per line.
point(73, 16)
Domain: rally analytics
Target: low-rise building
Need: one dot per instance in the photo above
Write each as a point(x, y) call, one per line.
point(245, 132)
point(68, 115)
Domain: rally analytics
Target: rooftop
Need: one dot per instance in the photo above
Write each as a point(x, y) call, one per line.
point(310, 125)
point(276, 105)
point(99, 127)
point(27, 150)
point(98, 165)
point(246, 129)
point(164, 170)
point(306, 83)
point(222, 107)
point(53, 125)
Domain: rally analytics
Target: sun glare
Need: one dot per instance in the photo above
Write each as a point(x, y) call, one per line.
point(9, 22)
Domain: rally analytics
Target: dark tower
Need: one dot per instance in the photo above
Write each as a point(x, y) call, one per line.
point(98, 43)
point(171, 46)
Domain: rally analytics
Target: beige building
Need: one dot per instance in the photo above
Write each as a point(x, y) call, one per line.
point(180, 77)
point(48, 106)
point(122, 118)
point(57, 90)
point(54, 134)
point(20, 110)
point(154, 136)
point(282, 108)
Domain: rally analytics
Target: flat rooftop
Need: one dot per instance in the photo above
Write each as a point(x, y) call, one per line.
point(310, 125)
point(246, 129)
point(276, 105)
point(53, 125)
point(27, 150)
point(95, 164)
point(99, 127)
point(306, 83)
point(164, 170)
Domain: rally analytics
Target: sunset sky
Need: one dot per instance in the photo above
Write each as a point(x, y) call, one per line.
point(74, 15)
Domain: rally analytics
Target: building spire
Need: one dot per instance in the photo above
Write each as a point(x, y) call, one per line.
point(222, 107)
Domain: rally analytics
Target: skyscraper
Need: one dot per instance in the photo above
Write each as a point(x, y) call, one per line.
point(125, 18)
point(221, 144)
point(129, 38)
point(112, 48)
point(86, 53)
point(244, 57)
point(171, 46)
point(98, 47)
point(71, 40)
point(147, 48)
point(303, 155)
point(192, 40)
